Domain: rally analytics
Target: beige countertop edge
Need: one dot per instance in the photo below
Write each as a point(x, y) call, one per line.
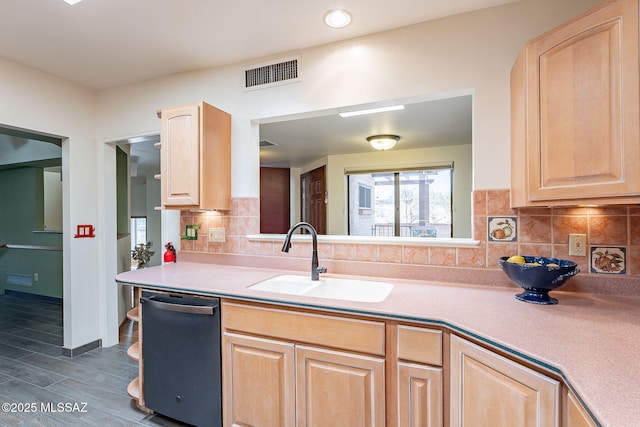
point(591, 341)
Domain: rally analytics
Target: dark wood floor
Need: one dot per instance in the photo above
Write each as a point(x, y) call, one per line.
point(41, 387)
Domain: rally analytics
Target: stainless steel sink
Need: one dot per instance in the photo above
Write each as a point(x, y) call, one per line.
point(326, 287)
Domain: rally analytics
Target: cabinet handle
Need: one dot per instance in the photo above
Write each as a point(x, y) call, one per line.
point(181, 308)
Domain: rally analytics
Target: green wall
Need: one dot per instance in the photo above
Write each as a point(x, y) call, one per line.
point(122, 191)
point(22, 213)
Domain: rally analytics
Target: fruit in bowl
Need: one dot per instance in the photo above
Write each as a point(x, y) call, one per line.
point(537, 275)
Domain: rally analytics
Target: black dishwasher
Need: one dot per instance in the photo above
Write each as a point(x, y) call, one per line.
point(181, 357)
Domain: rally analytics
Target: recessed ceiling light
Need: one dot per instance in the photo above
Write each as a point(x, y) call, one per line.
point(72, 1)
point(371, 111)
point(337, 18)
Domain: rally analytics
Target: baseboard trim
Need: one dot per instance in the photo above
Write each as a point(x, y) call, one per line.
point(73, 352)
point(22, 294)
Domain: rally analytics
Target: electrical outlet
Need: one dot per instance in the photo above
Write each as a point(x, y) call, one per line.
point(35, 277)
point(577, 244)
point(216, 235)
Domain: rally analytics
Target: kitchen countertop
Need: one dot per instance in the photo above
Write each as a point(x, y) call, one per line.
point(591, 341)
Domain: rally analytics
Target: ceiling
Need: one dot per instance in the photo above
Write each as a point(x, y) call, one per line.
point(421, 124)
point(110, 43)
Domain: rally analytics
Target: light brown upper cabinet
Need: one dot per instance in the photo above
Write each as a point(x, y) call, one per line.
point(575, 112)
point(196, 157)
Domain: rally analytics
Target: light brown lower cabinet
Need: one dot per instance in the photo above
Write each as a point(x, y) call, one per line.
point(260, 382)
point(290, 368)
point(337, 388)
point(303, 369)
point(262, 389)
point(489, 390)
point(574, 413)
point(419, 395)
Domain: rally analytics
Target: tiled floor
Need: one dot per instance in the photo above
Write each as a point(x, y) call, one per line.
point(40, 387)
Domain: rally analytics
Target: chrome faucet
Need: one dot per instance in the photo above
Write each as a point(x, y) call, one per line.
point(315, 270)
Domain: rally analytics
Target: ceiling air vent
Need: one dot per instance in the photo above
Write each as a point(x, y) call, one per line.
point(273, 73)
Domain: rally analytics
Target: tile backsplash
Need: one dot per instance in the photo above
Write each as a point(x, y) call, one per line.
point(537, 231)
point(545, 231)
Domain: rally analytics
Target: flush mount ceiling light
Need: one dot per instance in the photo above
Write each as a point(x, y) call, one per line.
point(383, 142)
point(337, 18)
point(371, 111)
point(72, 1)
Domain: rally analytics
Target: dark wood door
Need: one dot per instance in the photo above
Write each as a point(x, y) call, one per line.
point(313, 196)
point(274, 200)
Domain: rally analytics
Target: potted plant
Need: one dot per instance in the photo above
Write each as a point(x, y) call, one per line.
point(142, 254)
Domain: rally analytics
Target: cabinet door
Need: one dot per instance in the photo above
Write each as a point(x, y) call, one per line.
point(488, 390)
point(419, 395)
point(180, 156)
point(574, 414)
point(258, 382)
point(579, 111)
point(339, 389)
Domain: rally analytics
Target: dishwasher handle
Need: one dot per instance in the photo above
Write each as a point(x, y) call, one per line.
point(181, 308)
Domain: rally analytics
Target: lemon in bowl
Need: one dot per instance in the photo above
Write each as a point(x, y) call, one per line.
point(518, 259)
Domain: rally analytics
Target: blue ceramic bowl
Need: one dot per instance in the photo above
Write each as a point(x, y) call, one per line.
point(538, 280)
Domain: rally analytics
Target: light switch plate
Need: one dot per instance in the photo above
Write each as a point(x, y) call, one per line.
point(577, 245)
point(216, 235)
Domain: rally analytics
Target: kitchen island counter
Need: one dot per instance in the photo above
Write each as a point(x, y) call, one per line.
point(590, 341)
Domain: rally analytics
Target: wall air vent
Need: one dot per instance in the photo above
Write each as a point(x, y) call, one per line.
point(19, 279)
point(274, 73)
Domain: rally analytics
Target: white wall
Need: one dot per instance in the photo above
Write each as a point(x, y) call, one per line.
point(35, 101)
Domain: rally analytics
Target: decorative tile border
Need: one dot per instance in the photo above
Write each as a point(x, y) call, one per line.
point(502, 229)
point(608, 260)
